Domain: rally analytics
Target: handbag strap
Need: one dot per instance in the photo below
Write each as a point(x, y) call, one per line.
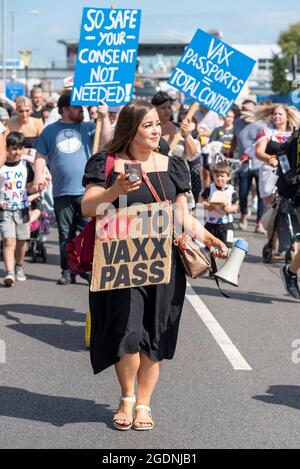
point(150, 187)
point(109, 167)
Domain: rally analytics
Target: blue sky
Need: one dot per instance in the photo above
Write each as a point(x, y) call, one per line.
point(255, 21)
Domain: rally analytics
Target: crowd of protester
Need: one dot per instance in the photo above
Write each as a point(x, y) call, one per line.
point(43, 140)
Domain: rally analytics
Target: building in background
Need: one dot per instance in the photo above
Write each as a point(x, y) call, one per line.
point(156, 61)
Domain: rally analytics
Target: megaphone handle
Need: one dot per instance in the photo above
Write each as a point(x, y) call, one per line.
point(214, 270)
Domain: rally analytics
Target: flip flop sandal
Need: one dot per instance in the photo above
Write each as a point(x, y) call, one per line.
point(123, 416)
point(143, 420)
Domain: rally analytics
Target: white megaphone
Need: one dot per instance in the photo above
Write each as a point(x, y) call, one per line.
point(229, 273)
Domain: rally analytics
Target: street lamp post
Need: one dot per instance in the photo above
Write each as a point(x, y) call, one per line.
point(4, 42)
point(26, 56)
point(13, 30)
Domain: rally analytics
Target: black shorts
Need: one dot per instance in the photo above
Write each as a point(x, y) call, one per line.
point(222, 232)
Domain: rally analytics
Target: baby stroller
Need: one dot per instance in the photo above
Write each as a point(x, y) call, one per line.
point(284, 222)
point(39, 229)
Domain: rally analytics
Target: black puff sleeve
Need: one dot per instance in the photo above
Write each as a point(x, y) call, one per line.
point(95, 170)
point(179, 174)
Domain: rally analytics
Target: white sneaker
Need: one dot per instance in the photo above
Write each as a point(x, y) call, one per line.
point(9, 280)
point(20, 274)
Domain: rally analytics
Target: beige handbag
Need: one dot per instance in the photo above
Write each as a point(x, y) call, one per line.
point(195, 260)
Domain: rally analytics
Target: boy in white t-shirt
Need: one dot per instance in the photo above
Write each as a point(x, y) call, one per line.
point(16, 177)
point(220, 201)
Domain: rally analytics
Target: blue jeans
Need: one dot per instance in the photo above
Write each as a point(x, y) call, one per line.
point(69, 220)
point(245, 179)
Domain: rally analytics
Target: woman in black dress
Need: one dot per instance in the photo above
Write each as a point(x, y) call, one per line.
point(136, 328)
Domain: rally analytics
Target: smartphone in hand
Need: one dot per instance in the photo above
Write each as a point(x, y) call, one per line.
point(134, 170)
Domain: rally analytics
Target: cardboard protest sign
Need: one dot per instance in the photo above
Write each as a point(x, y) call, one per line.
point(211, 72)
point(133, 247)
point(107, 53)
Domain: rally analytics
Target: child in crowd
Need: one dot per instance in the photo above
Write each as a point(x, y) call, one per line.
point(220, 201)
point(16, 178)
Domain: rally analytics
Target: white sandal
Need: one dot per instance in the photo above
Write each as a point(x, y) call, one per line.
point(124, 416)
point(143, 420)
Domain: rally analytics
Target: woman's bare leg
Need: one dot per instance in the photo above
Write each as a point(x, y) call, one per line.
point(148, 375)
point(126, 370)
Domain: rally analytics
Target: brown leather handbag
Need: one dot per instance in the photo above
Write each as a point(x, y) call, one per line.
point(194, 258)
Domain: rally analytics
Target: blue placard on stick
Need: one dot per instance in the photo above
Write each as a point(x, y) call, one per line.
point(107, 53)
point(212, 72)
point(14, 89)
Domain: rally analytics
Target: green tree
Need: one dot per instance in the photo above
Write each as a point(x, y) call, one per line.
point(289, 41)
point(280, 84)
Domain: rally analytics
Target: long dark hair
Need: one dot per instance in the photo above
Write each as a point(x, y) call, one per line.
point(129, 120)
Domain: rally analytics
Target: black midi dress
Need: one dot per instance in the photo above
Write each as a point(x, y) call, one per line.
point(142, 319)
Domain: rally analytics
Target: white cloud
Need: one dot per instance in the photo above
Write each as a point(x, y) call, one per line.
point(272, 19)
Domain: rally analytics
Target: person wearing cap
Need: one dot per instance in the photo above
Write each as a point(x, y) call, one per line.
point(66, 147)
point(54, 115)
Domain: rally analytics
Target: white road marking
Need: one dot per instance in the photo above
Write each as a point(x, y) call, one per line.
point(229, 349)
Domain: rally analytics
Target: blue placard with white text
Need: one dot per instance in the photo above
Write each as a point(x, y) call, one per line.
point(14, 89)
point(211, 72)
point(107, 53)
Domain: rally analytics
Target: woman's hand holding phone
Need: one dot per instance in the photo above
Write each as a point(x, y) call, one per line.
point(124, 186)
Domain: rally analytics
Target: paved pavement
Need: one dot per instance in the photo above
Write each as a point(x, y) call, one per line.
point(49, 397)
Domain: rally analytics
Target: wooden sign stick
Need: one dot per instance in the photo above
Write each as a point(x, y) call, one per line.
point(97, 136)
point(194, 108)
